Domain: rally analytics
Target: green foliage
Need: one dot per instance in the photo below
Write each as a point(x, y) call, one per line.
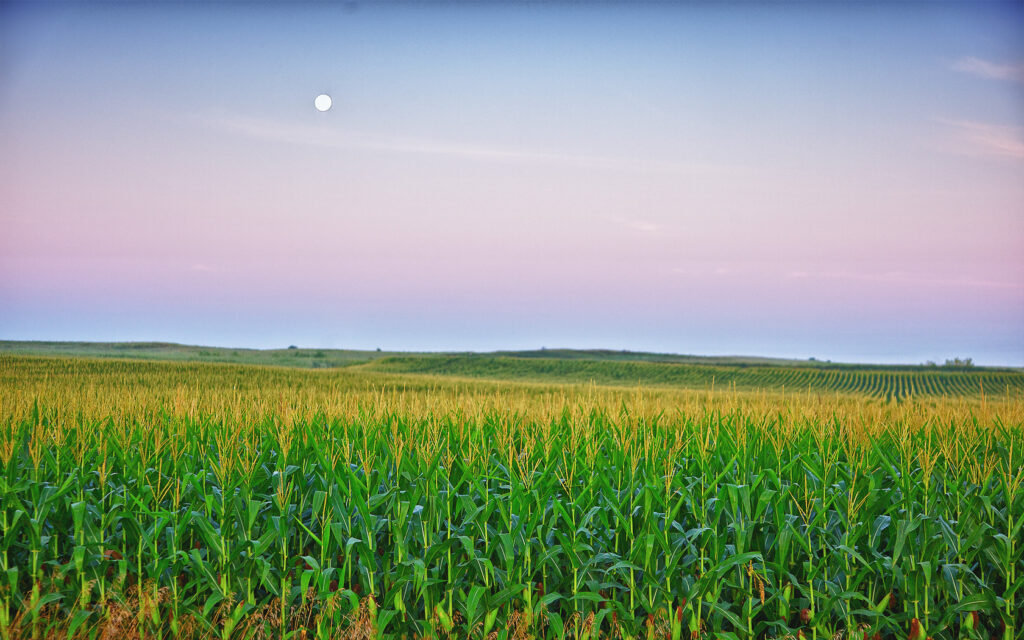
point(293, 357)
point(958, 363)
point(886, 383)
point(606, 516)
point(957, 378)
point(556, 519)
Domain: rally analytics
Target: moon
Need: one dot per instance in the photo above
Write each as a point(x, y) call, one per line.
point(322, 102)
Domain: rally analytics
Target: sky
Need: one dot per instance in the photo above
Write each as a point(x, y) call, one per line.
point(843, 182)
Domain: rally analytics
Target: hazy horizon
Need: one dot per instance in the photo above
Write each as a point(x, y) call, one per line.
point(843, 182)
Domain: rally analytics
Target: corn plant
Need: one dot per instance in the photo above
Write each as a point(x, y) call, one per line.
point(330, 507)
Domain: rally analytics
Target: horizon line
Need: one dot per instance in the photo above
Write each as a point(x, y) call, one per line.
point(777, 360)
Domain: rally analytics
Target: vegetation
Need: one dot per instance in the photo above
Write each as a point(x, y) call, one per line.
point(296, 357)
point(290, 357)
point(955, 363)
point(957, 377)
point(877, 382)
point(163, 500)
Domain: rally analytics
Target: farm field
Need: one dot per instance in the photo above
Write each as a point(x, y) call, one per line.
point(169, 351)
point(893, 383)
point(324, 358)
point(569, 366)
point(424, 497)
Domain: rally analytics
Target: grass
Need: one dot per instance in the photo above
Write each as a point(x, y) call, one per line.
point(317, 358)
point(157, 500)
point(169, 351)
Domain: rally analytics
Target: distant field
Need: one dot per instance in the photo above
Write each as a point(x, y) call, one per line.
point(325, 358)
point(881, 382)
point(306, 358)
point(570, 366)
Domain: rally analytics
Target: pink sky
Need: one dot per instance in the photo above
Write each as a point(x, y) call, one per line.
point(512, 185)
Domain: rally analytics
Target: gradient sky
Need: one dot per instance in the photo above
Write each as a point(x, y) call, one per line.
point(844, 182)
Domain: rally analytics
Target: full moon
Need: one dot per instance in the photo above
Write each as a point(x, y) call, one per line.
point(322, 102)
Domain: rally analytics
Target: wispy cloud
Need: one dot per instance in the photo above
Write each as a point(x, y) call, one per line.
point(980, 138)
point(808, 273)
point(301, 134)
point(905, 277)
point(644, 226)
point(705, 270)
point(1014, 72)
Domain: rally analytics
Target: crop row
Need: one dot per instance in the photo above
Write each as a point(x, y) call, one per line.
point(879, 383)
point(495, 525)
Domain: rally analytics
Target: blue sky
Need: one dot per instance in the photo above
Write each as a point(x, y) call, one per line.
point(842, 182)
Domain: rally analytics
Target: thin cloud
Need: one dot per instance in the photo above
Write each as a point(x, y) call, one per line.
point(339, 139)
point(991, 70)
point(706, 270)
point(979, 138)
point(829, 275)
point(644, 226)
point(904, 277)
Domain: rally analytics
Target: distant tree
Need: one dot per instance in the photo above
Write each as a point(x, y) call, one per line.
point(957, 362)
point(292, 346)
point(378, 348)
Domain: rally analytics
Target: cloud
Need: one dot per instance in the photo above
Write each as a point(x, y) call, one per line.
point(320, 136)
point(333, 138)
point(644, 226)
point(991, 70)
point(979, 138)
point(904, 277)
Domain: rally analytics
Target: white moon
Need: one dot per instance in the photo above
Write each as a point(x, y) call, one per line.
point(322, 102)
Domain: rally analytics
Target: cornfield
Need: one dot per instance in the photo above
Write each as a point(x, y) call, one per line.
point(887, 383)
point(154, 500)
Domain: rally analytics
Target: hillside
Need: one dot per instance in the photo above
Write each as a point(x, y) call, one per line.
point(878, 382)
point(604, 367)
point(288, 357)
